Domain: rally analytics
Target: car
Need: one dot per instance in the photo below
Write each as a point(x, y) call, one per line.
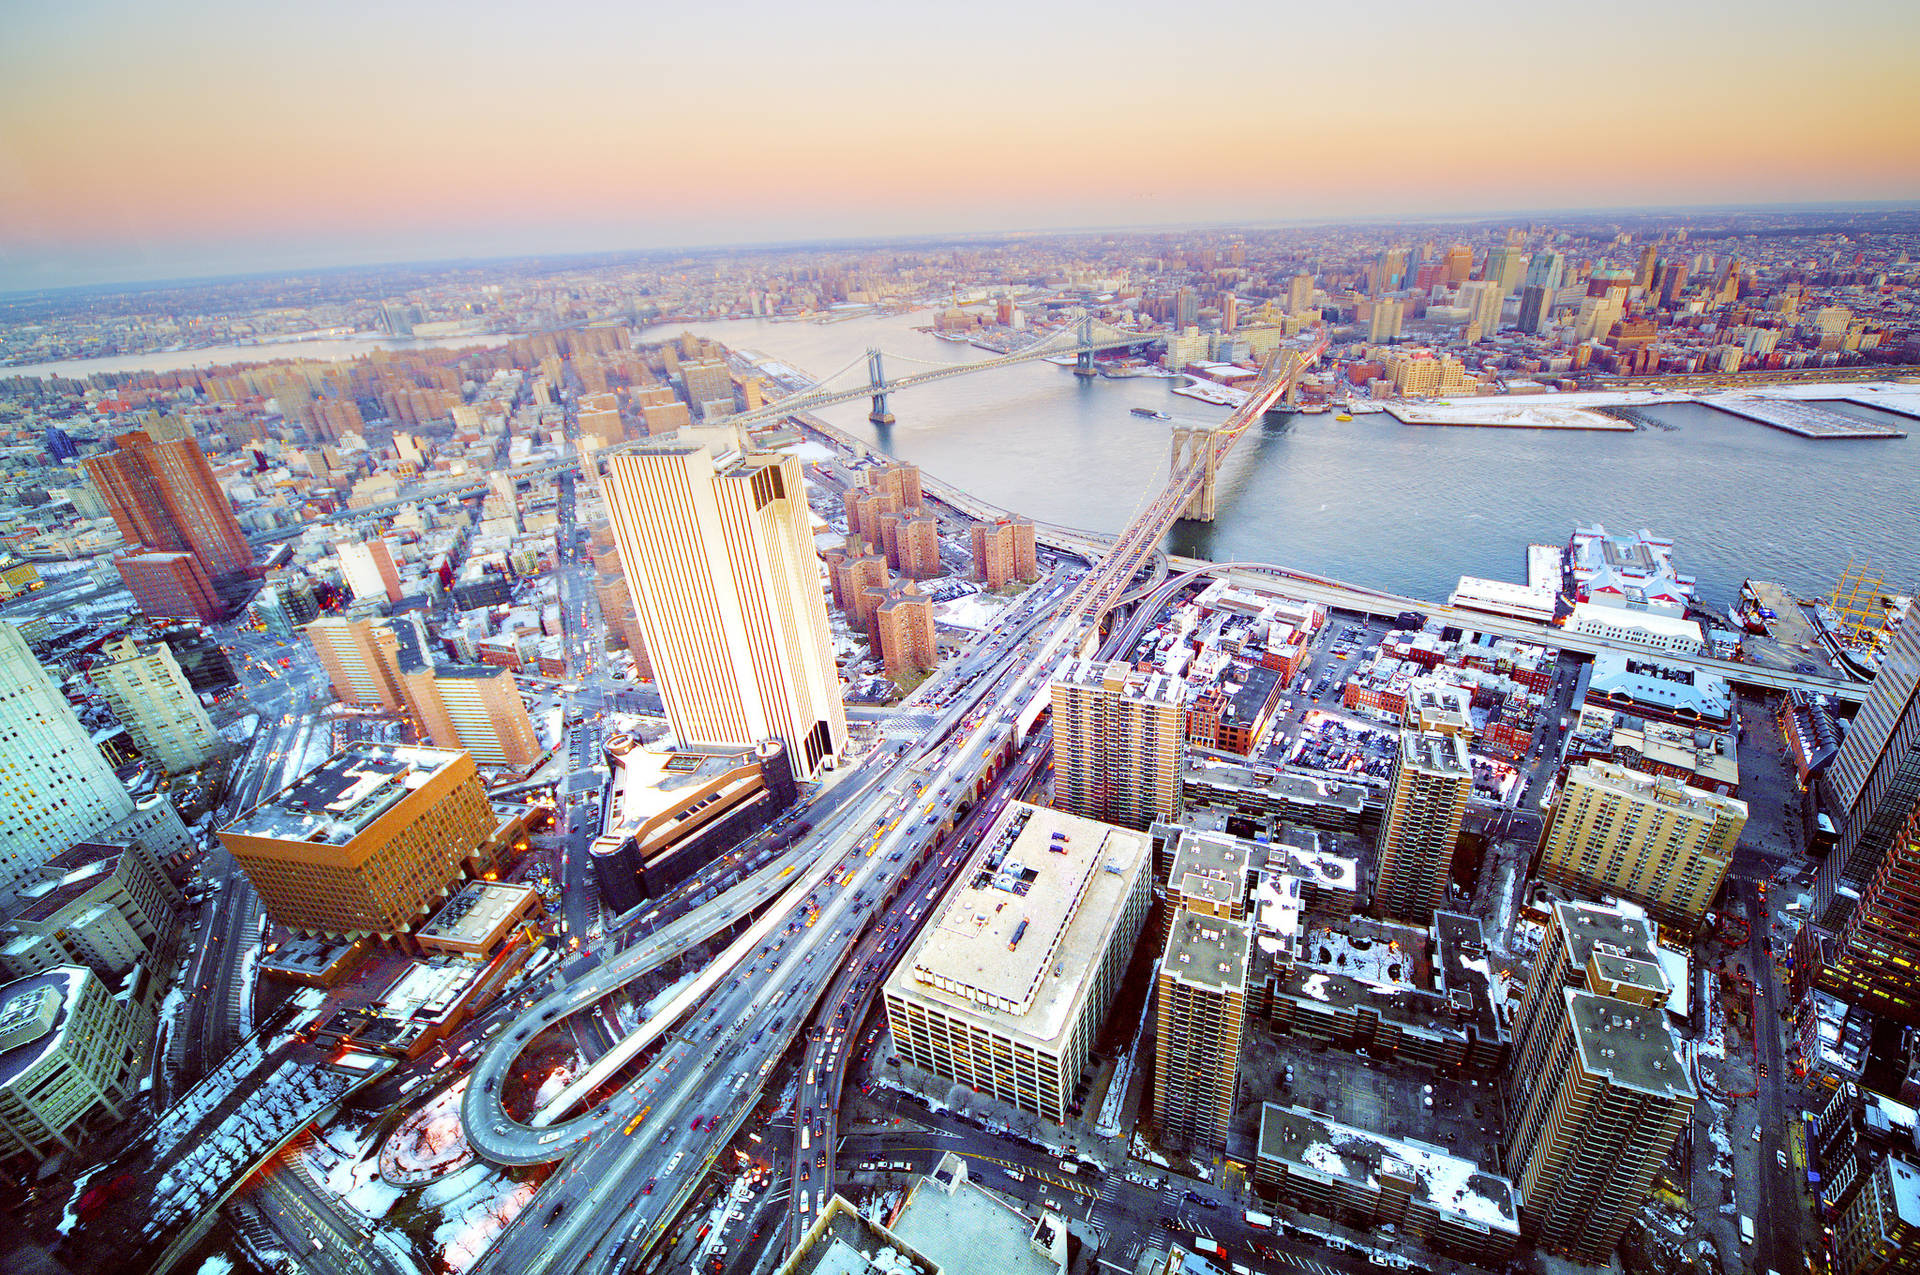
point(695, 1126)
point(1780, 1157)
point(1756, 1133)
point(648, 1188)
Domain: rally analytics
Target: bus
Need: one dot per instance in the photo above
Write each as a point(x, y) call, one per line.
point(1746, 1229)
point(806, 1136)
point(1259, 1221)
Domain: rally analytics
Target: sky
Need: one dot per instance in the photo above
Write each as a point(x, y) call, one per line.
point(146, 141)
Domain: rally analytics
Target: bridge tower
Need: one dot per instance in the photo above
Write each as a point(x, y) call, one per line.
point(1083, 362)
point(1195, 446)
point(877, 378)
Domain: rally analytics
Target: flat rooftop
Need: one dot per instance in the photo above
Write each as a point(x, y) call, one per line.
point(1015, 943)
point(1309, 1143)
point(476, 911)
point(1208, 952)
point(1630, 1044)
point(1661, 790)
point(1588, 925)
point(337, 800)
point(1304, 789)
point(1211, 866)
point(1443, 755)
point(967, 1231)
point(651, 782)
point(29, 1015)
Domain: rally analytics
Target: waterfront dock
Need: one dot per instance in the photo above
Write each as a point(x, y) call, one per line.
point(1529, 412)
point(1807, 419)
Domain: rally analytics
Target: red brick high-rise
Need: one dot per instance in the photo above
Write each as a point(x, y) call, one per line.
point(165, 499)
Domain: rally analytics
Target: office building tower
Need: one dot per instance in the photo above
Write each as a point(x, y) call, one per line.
point(1598, 1086)
point(1482, 299)
point(71, 1056)
point(718, 553)
point(709, 386)
point(286, 606)
point(1506, 267)
point(1643, 271)
point(358, 658)
point(472, 707)
point(1186, 307)
point(55, 787)
point(1860, 944)
point(1650, 839)
point(1426, 804)
point(366, 843)
point(1299, 293)
point(1546, 269)
point(1536, 307)
point(1006, 986)
point(1202, 987)
point(1118, 740)
point(1384, 324)
point(1003, 552)
point(154, 701)
point(164, 497)
point(1229, 311)
point(1879, 1232)
point(100, 905)
point(1459, 264)
point(369, 569)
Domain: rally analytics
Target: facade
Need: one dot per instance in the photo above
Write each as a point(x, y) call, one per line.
point(1871, 789)
point(167, 586)
point(1202, 1006)
point(1118, 740)
point(476, 708)
point(902, 621)
point(359, 661)
point(100, 905)
point(718, 552)
point(1426, 804)
point(1657, 629)
point(1006, 987)
point(1650, 839)
point(55, 787)
point(916, 546)
point(163, 496)
point(369, 569)
point(153, 699)
point(1880, 1230)
point(367, 842)
point(70, 1054)
point(1597, 1085)
point(1003, 552)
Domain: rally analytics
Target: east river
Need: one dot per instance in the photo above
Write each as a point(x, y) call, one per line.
point(1372, 501)
point(1369, 501)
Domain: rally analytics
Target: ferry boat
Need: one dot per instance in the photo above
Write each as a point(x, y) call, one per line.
point(1313, 409)
point(1151, 414)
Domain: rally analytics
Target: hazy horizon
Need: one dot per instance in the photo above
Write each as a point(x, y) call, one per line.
point(213, 138)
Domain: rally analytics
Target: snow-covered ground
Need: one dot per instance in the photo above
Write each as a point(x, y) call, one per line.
point(474, 1205)
point(242, 730)
point(976, 611)
point(1530, 412)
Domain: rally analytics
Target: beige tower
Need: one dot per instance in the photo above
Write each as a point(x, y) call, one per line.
point(1598, 1089)
point(1118, 738)
point(152, 698)
point(359, 659)
point(1202, 1005)
point(1426, 805)
point(1650, 839)
point(717, 547)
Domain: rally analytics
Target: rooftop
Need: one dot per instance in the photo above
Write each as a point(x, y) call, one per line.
point(1629, 1044)
point(1016, 940)
point(1432, 754)
point(1211, 866)
point(1661, 790)
point(1589, 925)
point(1309, 1143)
point(33, 1016)
point(1208, 952)
point(967, 1230)
point(1284, 785)
point(337, 800)
point(476, 911)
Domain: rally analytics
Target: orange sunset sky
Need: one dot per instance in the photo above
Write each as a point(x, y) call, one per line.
point(154, 141)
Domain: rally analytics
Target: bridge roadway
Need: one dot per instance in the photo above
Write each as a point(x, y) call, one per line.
point(802, 401)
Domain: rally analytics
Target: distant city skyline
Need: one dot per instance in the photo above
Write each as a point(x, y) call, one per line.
point(211, 138)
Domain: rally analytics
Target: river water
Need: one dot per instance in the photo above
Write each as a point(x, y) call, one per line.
point(1375, 502)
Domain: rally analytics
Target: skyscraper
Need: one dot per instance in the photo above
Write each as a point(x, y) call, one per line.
point(357, 657)
point(1656, 841)
point(1426, 804)
point(1546, 270)
point(718, 551)
point(1118, 738)
point(1536, 304)
point(1860, 943)
point(154, 701)
point(1201, 1009)
point(163, 497)
point(1506, 267)
point(1384, 324)
point(55, 787)
point(1299, 293)
point(1482, 299)
point(1598, 1089)
point(1880, 1230)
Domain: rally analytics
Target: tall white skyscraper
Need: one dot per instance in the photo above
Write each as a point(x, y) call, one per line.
point(55, 787)
point(717, 547)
